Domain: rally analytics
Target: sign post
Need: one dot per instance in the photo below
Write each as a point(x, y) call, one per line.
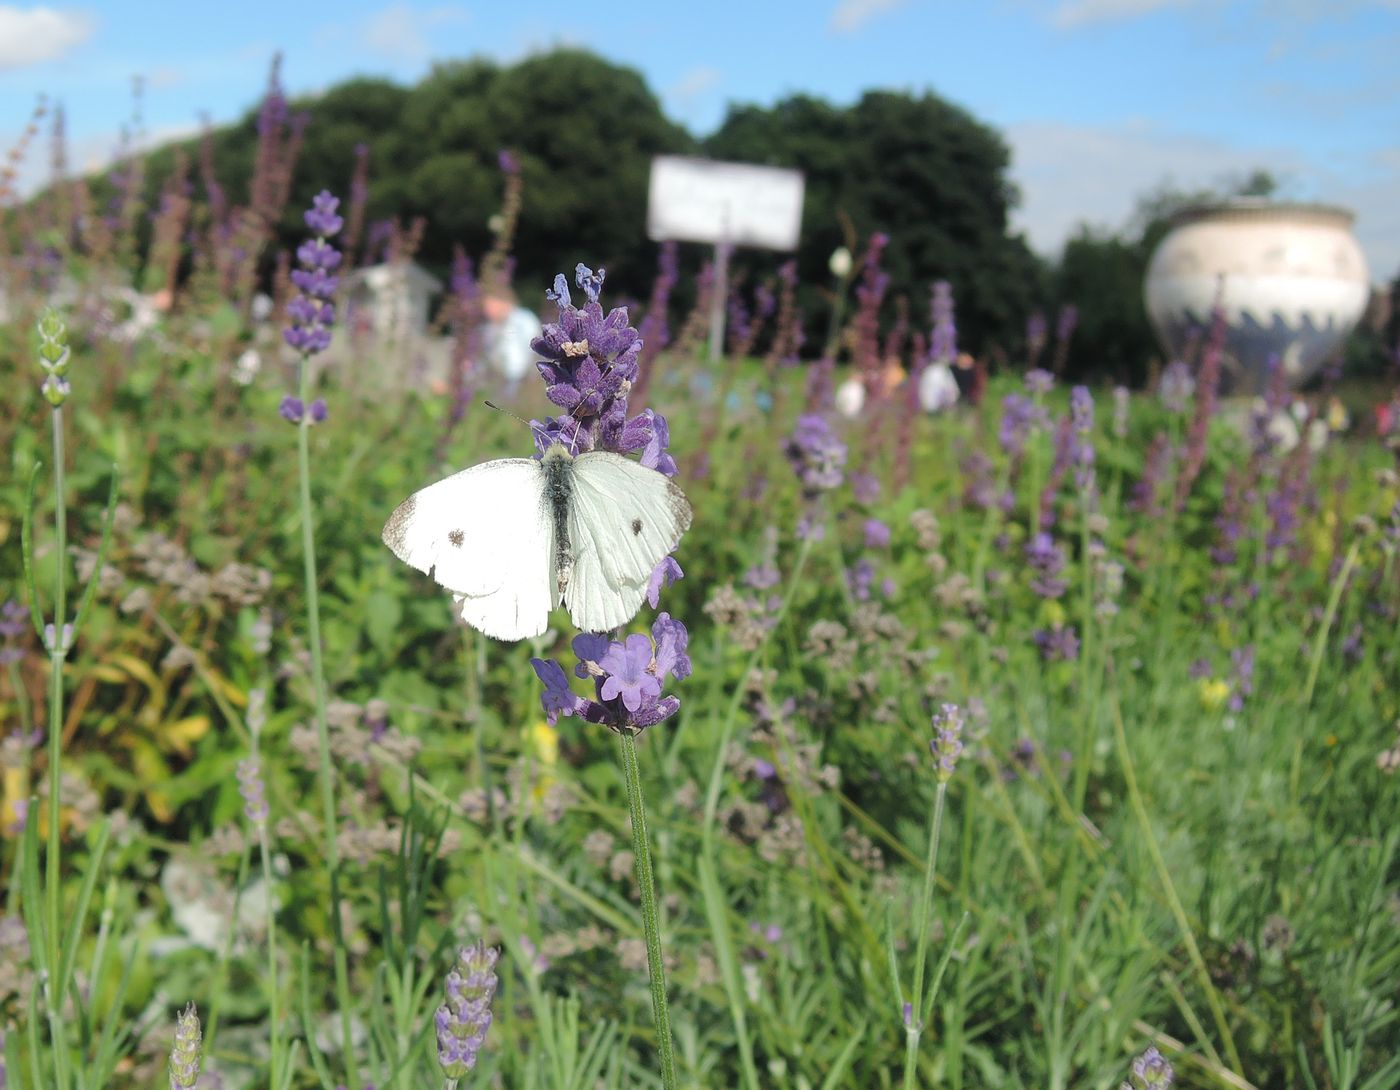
point(728, 205)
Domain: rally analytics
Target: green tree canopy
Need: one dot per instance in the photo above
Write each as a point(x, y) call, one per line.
point(920, 169)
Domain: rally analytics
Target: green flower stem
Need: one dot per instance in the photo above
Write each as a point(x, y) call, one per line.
point(274, 1000)
point(1320, 642)
point(914, 1026)
point(323, 743)
point(57, 652)
point(651, 920)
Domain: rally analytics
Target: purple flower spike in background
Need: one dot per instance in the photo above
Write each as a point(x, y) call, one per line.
point(818, 457)
point(1081, 407)
point(947, 744)
point(1047, 561)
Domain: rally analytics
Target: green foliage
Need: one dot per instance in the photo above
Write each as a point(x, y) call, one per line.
point(1135, 860)
point(584, 130)
point(920, 169)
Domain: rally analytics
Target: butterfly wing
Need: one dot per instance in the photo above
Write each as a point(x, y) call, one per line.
point(487, 535)
point(623, 519)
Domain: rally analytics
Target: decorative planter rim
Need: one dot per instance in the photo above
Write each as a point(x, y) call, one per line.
point(1247, 209)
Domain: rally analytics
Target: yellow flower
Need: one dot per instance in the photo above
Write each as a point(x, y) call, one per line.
point(544, 741)
point(1214, 692)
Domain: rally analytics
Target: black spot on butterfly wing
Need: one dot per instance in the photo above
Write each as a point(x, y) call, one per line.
point(455, 538)
point(636, 527)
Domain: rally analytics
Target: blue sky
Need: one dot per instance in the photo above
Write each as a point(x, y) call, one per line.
point(1100, 100)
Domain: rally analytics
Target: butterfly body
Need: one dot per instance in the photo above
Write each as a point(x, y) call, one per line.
point(515, 537)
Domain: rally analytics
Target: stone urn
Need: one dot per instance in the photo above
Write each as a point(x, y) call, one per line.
point(1290, 278)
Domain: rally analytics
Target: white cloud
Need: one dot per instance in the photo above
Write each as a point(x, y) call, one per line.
point(403, 33)
point(693, 83)
point(30, 36)
point(1073, 13)
point(851, 15)
point(1071, 176)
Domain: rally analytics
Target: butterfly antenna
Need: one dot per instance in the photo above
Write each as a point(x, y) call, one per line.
point(516, 416)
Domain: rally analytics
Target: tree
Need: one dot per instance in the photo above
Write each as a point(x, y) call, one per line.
point(920, 169)
point(583, 129)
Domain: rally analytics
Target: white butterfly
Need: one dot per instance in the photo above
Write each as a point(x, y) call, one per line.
point(513, 537)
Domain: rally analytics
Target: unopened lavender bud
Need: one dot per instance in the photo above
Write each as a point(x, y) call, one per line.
point(49, 640)
point(184, 1057)
point(55, 390)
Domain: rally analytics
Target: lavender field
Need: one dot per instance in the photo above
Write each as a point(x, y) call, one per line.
point(1048, 740)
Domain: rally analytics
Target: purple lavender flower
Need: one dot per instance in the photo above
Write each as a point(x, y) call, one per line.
point(877, 534)
point(250, 786)
point(13, 622)
point(943, 341)
point(1039, 381)
point(627, 677)
point(860, 578)
point(590, 363)
point(1047, 561)
point(1065, 323)
point(1057, 644)
point(947, 745)
point(558, 698)
point(1176, 386)
point(1150, 1071)
point(818, 457)
point(463, 1020)
point(293, 410)
point(312, 313)
point(1081, 408)
point(663, 575)
point(865, 487)
point(1037, 331)
point(1020, 417)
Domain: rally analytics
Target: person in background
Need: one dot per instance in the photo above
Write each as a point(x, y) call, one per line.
point(506, 335)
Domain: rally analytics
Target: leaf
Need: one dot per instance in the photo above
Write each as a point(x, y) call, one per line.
point(183, 733)
point(383, 619)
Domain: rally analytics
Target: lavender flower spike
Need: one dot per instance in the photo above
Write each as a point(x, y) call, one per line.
point(1150, 1071)
point(463, 1020)
point(184, 1057)
point(947, 745)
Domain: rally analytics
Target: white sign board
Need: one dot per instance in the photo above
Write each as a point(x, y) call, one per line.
point(701, 200)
